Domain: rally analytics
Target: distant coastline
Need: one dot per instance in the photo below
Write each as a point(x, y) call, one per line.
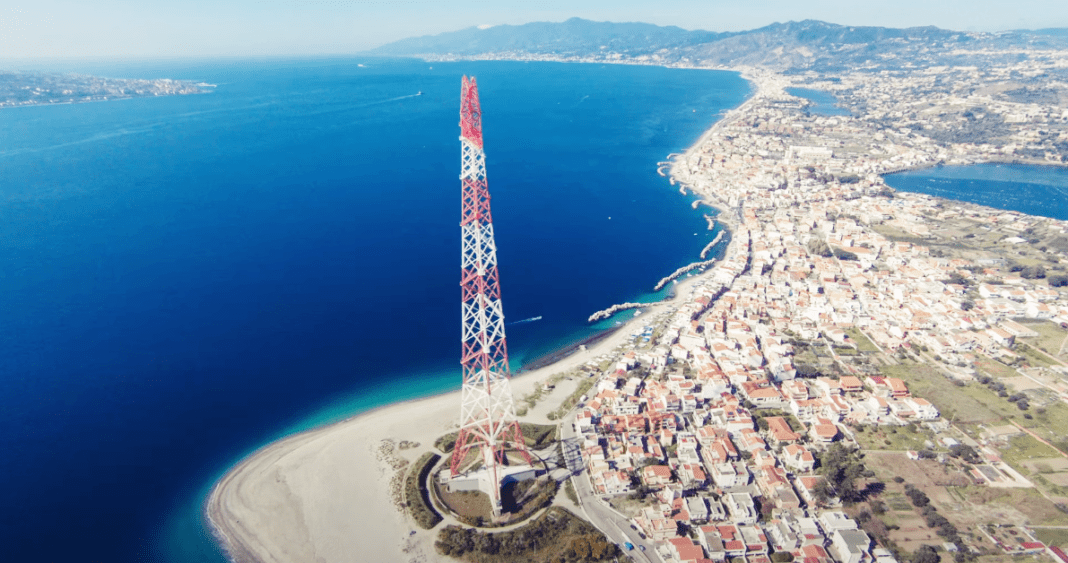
point(23, 89)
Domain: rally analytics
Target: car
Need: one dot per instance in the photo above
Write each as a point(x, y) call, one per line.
point(628, 545)
point(633, 527)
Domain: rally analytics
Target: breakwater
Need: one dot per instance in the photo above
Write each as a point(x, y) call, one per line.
point(604, 314)
point(711, 222)
point(708, 247)
point(660, 284)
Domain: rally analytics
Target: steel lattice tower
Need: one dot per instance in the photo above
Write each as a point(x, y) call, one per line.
point(487, 410)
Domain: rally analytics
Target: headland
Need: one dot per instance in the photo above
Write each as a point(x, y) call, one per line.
point(18, 89)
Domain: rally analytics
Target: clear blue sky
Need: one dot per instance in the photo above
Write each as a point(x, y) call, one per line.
point(185, 28)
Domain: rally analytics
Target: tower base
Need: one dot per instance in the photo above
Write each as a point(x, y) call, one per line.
point(481, 480)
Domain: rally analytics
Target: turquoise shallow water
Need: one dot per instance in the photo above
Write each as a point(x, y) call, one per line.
point(189, 278)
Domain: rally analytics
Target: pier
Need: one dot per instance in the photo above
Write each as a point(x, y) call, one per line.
point(711, 222)
point(604, 314)
point(681, 271)
point(708, 247)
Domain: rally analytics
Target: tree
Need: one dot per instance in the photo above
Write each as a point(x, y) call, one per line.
point(580, 547)
point(1033, 272)
point(919, 498)
point(926, 554)
point(840, 467)
point(1059, 280)
point(822, 492)
point(844, 254)
point(957, 278)
point(819, 247)
point(968, 453)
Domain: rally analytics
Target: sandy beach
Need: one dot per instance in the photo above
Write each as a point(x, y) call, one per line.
point(324, 495)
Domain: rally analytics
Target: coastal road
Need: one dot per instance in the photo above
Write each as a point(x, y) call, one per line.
point(613, 524)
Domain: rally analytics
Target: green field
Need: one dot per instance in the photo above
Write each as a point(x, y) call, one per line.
point(1023, 448)
point(960, 404)
point(1052, 536)
point(1034, 357)
point(864, 344)
point(897, 502)
point(1051, 335)
point(975, 403)
point(876, 438)
point(994, 368)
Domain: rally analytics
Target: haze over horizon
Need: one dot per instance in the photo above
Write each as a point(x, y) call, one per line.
point(63, 29)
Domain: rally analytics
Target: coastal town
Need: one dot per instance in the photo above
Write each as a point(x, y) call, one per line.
point(850, 373)
point(714, 430)
point(34, 88)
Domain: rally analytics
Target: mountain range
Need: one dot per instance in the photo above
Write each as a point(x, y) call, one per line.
point(808, 44)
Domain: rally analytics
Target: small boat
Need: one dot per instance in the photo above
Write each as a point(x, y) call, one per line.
point(419, 93)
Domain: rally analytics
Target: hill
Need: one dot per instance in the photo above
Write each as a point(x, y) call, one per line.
point(804, 45)
point(569, 38)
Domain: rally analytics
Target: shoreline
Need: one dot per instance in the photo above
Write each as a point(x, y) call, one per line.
point(546, 360)
point(283, 478)
point(283, 501)
point(257, 510)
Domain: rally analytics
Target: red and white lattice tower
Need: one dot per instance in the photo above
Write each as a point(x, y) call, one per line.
point(487, 411)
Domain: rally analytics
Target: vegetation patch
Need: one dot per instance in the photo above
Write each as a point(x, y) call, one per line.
point(1052, 536)
point(569, 490)
point(1037, 509)
point(1022, 449)
point(447, 442)
point(538, 436)
point(569, 403)
point(871, 437)
point(557, 536)
point(962, 404)
point(1050, 335)
point(416, 495)
point(841, 471)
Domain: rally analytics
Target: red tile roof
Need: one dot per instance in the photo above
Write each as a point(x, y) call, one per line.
point(686, 549)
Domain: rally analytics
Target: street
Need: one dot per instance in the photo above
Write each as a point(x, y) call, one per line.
point(613, 524)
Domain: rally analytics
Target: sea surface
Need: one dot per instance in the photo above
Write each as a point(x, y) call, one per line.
point(823, 102)
point(1032, 189)
point(186, 279)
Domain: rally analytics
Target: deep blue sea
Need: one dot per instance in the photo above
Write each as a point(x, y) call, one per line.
point(1031, 189)
point(186, 279)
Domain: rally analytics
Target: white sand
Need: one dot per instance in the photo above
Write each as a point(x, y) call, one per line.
point(323, 495)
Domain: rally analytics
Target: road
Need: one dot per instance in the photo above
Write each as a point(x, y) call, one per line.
point(613, 524)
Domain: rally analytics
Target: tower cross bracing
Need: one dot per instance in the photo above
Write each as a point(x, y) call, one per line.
point(487, 409)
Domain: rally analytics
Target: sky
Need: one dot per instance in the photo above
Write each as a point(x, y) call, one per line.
point(48, 29)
